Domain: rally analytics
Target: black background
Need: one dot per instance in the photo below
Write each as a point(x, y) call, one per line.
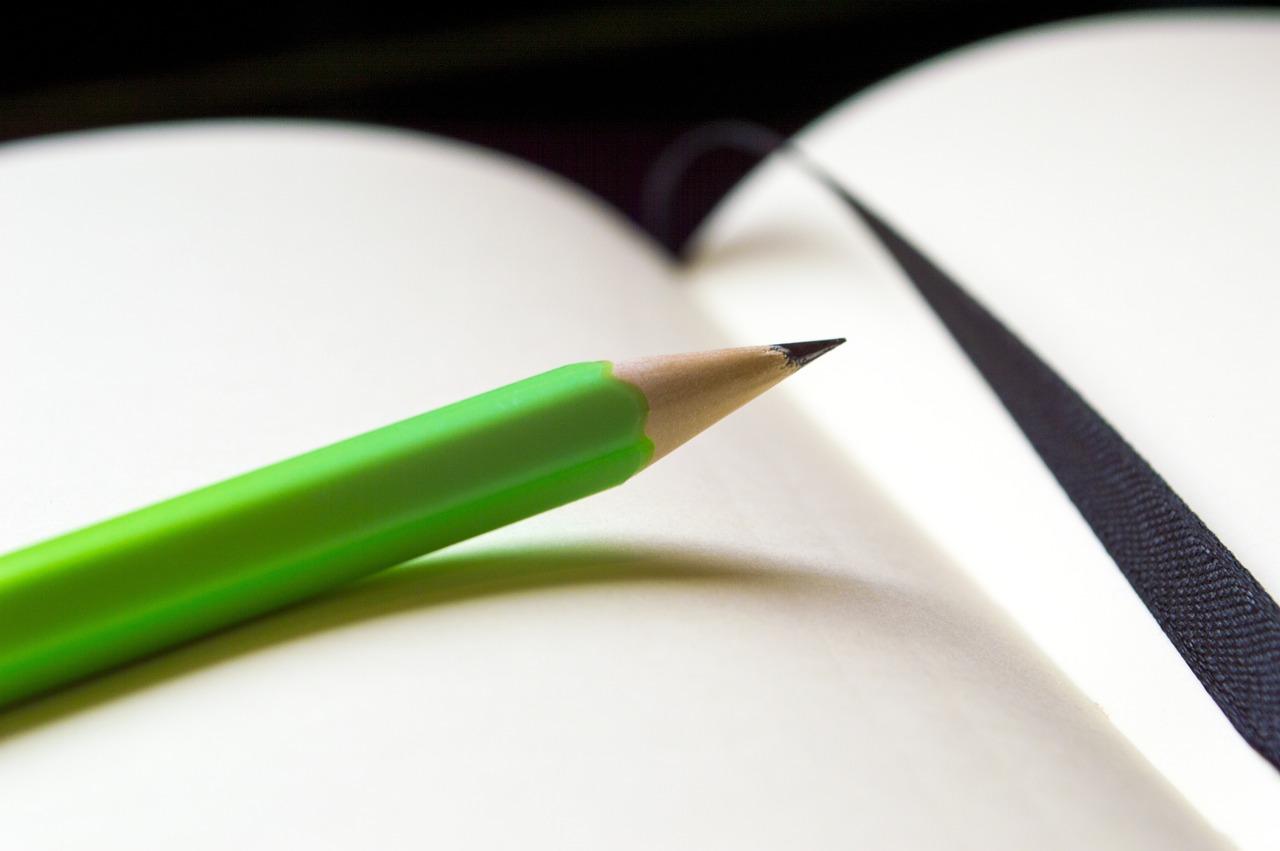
point(592, 91)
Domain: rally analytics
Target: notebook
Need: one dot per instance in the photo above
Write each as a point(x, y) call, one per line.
point(856, 613)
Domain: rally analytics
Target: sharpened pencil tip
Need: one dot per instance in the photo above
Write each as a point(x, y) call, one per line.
point(799, 354)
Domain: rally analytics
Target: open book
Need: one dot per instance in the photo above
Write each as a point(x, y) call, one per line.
point(858, 613)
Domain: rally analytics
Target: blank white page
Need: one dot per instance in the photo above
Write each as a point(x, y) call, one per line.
point(745, 647)
point(1111, 189)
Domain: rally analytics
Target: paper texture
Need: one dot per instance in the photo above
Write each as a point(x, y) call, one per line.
point(744, 647)
point(1109, 190)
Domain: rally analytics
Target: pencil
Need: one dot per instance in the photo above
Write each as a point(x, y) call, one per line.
point(119, 590)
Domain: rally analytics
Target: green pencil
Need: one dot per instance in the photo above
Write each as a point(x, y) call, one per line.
point(119, 590)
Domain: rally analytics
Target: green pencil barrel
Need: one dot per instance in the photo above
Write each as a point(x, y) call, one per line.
point(118, 590)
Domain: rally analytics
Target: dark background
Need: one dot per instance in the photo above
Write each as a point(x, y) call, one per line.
point(593, 91)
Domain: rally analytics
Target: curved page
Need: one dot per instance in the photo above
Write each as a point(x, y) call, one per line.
point(745, 647)
point(1108, 188)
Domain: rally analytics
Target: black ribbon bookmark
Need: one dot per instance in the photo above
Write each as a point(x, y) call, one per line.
point(1222, 622)
point(1219, 618)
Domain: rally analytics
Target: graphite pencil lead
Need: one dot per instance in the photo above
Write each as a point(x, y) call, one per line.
point(799, 354)
point(687, 393)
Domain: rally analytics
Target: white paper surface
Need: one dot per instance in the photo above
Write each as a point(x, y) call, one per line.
point(745, 647)
point(1111, 189)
